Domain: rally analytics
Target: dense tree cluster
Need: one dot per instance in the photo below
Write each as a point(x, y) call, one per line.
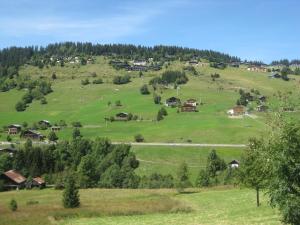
point(95, 163)
point(170, 77)
point(121, 79)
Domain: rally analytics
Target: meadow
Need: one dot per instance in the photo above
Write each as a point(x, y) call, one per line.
point(88, 104)
point(222, 205)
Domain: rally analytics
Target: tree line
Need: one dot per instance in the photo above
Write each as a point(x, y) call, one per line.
point(14, 57)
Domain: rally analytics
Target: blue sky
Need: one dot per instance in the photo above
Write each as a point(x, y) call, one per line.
point(251, 29)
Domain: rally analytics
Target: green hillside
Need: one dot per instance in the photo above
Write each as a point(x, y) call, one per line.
point(71, 101)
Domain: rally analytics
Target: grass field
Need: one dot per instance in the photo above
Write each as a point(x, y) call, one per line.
point(71, 101)
point(165, 160)
point(223, 205)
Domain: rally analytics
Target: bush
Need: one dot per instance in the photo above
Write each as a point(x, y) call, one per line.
point(118, 103)
point(76, 124)
point(156, 99)
point(85, 81)
point(121, 79)
point(13, 205)
point(20, 106)
point(52, 136)
point(98, 81)
point(43, 101)
point(8, 138)
point(139, 138)
point(32, 202)
point(144, 90)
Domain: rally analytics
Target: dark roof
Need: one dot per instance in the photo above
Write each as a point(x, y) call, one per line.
point(10, 150)
point(122, 114)
point(234, 162)
point(14, 126)
point(173, 99)
point(15, 176)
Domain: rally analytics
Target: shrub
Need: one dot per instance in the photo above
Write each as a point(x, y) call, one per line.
point(121, 79)
point(118, 103)
point(8, 138)
point(76, 124)
point(156, 99)
point(98, 81)
point(43, 101)
point(203, 179)
point(144, 90)
point(52, 136)
point(85, 81)
point(139, 138)
point(13, 205)
point(20, 106)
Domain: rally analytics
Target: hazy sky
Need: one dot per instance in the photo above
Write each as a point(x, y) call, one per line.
point(253, 29)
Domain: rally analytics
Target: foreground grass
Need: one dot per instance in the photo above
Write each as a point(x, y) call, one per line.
point(100, 206)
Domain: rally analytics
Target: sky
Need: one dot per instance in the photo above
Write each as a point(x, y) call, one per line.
point(263, 30)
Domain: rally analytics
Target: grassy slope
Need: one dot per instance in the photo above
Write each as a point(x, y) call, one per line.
point(165, 160)
point(223, 206)
point(72, 102)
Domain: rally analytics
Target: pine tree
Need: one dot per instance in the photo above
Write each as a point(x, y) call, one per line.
point(183, 177)
point(52, 136)
point(70, 194)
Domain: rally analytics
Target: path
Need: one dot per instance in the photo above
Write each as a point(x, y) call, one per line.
point(152, 144)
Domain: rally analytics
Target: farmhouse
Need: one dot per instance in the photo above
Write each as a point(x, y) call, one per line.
point(36, 182)
point(173, 102)
point(192, 102)
point(122, 116)
point(10, 151)
point(45, 122)
point(236, 111)
point(140, 63)
point(188, 108)
point(13, 179)
point(33, 135)
point(14, 128)
point(55, 128)
point(257, 69)
point(234, 164)
point(262, 108)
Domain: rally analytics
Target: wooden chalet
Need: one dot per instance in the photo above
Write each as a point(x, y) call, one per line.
point(36, 182)
point(188, 108)
point(122, 116)
point(33, 135)
point(262, 108)
point(237, 111)
point(173, 102)
point(14, 129)
point(191, 101)
point(10, 151)
point(45, 122)
point(234, 164)
point(55, 128)
point(13, 179)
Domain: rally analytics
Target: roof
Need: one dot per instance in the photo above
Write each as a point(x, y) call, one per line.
point(14, 125)
point(39, 180)
point(191, 100)
point(173, 99)
point(45, 121)
point(122, 114)
point(234, 162)
point(15, 176)
point(7, 150)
